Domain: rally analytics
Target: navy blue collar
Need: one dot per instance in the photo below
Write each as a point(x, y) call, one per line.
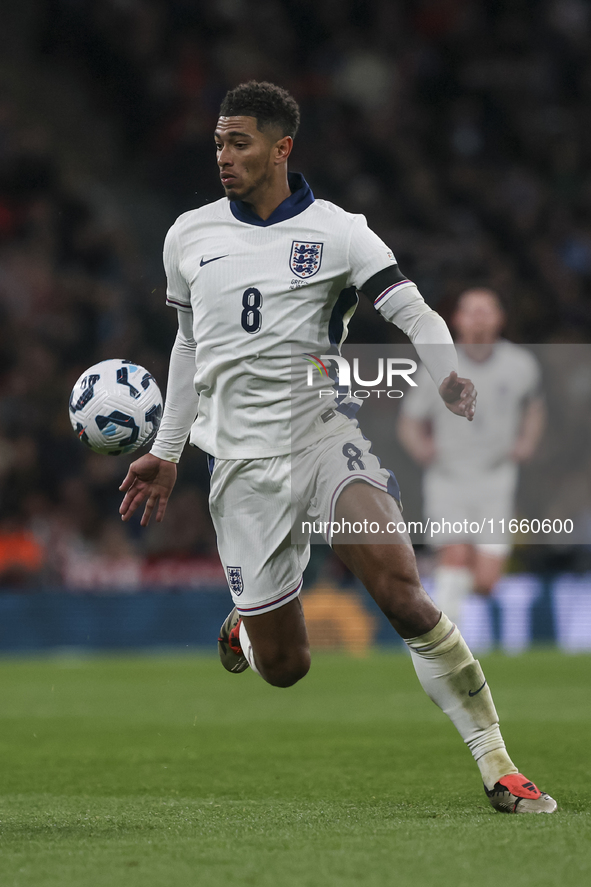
point(300, 199)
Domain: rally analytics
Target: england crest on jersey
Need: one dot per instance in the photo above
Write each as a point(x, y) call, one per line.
point(305, 258)
point(235, 580)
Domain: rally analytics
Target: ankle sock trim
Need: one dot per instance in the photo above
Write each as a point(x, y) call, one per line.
point(428, 648)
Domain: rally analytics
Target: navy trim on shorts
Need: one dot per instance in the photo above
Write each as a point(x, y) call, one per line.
point(393, 485)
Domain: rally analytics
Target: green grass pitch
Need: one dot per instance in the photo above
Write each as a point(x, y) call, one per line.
point(157, 771)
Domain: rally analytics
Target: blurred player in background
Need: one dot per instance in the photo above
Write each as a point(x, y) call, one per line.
point(262, 271)
point(471, 473)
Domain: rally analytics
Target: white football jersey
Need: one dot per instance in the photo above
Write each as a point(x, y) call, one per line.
point(258, 290)
point(505, 383)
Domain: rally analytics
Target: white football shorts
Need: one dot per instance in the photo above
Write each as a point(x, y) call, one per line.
point(474, 510)
point(255, 502)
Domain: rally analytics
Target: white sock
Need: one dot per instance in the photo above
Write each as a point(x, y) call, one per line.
point(455, 682)
point(452, 585)
point(247, 647)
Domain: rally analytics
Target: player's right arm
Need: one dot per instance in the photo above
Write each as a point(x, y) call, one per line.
point(153, 476)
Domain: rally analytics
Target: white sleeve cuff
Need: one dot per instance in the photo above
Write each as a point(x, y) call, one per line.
point(161, 453)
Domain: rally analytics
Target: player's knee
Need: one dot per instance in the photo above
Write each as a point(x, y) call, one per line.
point(286, 668)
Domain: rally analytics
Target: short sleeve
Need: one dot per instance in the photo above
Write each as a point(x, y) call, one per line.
point(421, 402)
point(368, 253)
point(178, 293)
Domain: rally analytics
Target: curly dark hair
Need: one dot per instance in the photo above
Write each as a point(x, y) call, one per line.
point(270, 104)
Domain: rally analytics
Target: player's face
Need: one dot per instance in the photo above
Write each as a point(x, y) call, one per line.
point(245, 156)
point(479, 318)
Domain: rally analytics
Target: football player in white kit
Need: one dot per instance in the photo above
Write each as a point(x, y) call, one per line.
point(260, 273)
point(472, 471)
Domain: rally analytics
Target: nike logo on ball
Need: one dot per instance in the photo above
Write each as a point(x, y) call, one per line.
point(476, 692)
point(207, 261)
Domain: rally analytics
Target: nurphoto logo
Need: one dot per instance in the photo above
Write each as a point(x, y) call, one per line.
point(387, 370)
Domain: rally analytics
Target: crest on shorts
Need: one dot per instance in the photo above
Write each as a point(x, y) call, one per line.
point(305, 258)
point(235, 580)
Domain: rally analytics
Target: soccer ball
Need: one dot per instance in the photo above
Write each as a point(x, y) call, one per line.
point(115, 407)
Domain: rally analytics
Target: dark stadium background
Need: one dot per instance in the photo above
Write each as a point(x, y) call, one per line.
point(461, 128)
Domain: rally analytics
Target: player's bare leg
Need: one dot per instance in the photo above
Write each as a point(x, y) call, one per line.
point(389, 572)
point(448, 672)
point(274, 644)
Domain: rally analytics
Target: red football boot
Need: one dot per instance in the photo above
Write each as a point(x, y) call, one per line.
point(516, 794)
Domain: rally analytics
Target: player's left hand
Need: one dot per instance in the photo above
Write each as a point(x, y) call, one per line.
point(459, 395)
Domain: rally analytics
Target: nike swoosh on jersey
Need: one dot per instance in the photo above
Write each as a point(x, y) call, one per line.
point(207, 261)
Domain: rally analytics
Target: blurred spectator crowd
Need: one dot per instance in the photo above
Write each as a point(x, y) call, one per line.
point(461, 128)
